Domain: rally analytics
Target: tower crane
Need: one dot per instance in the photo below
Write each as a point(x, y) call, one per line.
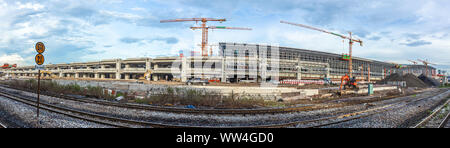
point(350, 39)
point(414, 63)
point(426, 63)
point(204, 29)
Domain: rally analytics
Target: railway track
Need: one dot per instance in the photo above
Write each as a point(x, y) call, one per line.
point(433, 114)
point(352, 116)
point(444, 123)
point(196, 111)
point(3, 126)
point(82, 115)
point(321, 122)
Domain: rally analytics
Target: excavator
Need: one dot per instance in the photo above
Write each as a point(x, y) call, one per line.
point(350, 83)
point(146, 75)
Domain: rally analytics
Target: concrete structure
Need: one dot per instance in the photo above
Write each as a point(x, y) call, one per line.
point(236, 62)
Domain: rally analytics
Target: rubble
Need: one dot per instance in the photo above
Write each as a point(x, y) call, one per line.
point(429, 81)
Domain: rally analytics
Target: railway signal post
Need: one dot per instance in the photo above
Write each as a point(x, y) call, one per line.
point(39, 59)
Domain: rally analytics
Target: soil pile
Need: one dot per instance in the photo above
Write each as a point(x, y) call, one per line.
point(392, 77)
point(412, 81)
point(429, 81)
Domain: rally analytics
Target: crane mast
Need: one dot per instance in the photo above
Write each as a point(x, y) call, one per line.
point(426, 63)
point(204, 29)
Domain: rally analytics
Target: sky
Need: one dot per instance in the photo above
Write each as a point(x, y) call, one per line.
point(91, 30)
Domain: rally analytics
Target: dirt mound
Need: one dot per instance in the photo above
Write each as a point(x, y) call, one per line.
point(392, 77)
point(410, 79)
point(429, 81)
point(413, 81)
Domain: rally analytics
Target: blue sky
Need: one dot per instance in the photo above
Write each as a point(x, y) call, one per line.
point(77, 30)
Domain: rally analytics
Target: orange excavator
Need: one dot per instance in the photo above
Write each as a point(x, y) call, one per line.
point(348, 82)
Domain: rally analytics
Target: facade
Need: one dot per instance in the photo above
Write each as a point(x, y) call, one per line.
point(236, 62)
point(307, 64)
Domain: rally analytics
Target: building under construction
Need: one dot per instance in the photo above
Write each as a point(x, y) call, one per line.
point(236, 62)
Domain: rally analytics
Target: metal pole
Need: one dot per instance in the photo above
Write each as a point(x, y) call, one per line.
point(368, 70)
point(350, 66)
point(38, 91)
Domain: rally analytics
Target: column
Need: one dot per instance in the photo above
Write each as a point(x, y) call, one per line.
point(148, 68)
point(118, 69)
point(224, 73)
point(299, 70)
point(183, 69)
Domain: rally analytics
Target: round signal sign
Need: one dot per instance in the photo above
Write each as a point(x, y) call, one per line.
point(40, 47)
point(39, 59)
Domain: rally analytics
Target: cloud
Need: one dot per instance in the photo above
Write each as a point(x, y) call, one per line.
point(104, 27)
point(11, 59)
point(167, 40)
point(130, 40)
point(375, 38)
point(417, 43)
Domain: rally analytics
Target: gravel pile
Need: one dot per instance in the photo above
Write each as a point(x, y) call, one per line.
point(410, 79)
point(429, 81)
point(413, 81)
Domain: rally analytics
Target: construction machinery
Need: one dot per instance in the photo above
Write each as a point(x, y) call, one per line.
point(348, 83)
point(204, 29)
point(350, 39)
point(414, 63)
point(426, 63)
point(147, 75)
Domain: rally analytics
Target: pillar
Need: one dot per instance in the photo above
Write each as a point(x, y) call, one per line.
point(148, 68)
point(183, 69)
point(299, 70)
point(96, 75)
point(223, 68)
point(118, 69)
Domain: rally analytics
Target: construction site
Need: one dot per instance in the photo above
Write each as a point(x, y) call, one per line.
point(281, 83)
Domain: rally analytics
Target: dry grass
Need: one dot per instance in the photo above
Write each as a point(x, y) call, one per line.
point(171, 96)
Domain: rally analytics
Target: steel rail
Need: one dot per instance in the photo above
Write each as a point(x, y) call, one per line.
point(372, 111)
point(3, 126)
point(353, 115)
point(429, 117)
point(80, 115)
point(445, 121)
point(201, 111)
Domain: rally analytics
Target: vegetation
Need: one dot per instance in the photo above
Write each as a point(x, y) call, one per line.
point(187, 96)
point(171, 96)
point(445, 86)
point(53, 87)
